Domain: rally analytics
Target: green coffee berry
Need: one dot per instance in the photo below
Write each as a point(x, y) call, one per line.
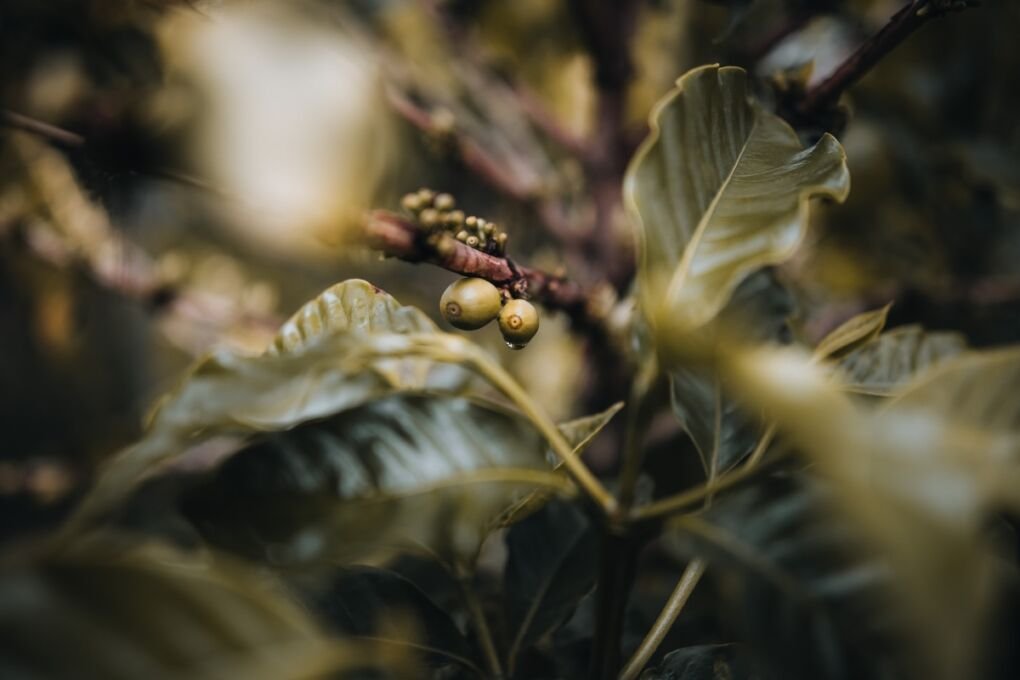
point(471, 222)
point(470, 303)
point(518, 322)
point(426, 196)
point(472, 241)
point(462, 236)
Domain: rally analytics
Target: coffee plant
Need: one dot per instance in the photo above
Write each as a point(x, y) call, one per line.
point(601, 365)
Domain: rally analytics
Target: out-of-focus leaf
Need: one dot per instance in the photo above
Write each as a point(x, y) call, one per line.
point(579, 433)
point(892, 359)
point(794, 576)
point(707, 662)
point(721, 430)
point(853, 333)
point(96, 612)
point(919, 476)
point(429, 471)
point(551, 565)
point(718, 190)
point(383, 606)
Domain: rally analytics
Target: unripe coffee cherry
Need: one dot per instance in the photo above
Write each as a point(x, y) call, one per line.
point(518, 322)
point(469, 304)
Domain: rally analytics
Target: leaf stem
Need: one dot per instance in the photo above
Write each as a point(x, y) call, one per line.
point(477, 614)
point(633, 452)
point(571, 461)
point(693, 497)
point(667, 617)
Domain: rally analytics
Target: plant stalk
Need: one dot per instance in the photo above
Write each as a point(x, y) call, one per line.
point(477, 614)
point(618, 563)
point(667, 617)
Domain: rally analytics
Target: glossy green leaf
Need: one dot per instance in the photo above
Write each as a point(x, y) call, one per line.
point(383, 607)
point(103, 612)
point(551, 564)
point(893, 359)
point(350, 306)
point(707, 662)
point(853, 333)
point(427, 471)
point(795, 576)
point(718, 190)
point(367, 347)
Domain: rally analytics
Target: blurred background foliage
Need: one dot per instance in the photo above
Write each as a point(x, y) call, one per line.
point(177, 175)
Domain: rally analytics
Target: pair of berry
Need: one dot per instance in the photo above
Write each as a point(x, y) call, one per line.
point(471, 303)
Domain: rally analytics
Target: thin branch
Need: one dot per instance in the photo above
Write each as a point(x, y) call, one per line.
point(490, 170)
point(57, 135)
point(66, 139)
point(823, 96)
point(398, 237)
point(692, 498)
point(578, 471)
point(667, 617)
point(543, 119)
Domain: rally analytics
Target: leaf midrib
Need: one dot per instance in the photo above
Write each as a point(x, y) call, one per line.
point(683, 269)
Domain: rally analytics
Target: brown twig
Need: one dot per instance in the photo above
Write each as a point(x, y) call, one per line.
point(56, 135)
point(480, 162)
point(543, 119)
point(825, 95)
point(399, 237)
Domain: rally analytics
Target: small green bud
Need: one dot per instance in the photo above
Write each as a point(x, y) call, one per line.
point(454, 218)
point(411, 202)
point(444, 202)
point(429, 218)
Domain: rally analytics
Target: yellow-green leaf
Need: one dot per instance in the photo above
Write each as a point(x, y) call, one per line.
point(352, 305)
point(718, 190)
point(853, 333)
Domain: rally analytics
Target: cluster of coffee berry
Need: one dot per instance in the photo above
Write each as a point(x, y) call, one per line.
point(471, 303)
point(438, 213)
